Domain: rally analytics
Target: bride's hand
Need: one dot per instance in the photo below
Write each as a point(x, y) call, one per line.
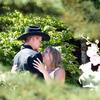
point(39, 65)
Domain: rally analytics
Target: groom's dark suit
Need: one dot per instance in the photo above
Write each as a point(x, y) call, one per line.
point(24, 60)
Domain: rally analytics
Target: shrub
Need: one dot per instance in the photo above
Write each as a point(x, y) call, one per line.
point(12, 25)
point(24, 86)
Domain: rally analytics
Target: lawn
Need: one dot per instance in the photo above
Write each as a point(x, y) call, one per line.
point(24, 86)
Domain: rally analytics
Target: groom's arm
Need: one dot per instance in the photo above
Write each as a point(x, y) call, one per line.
point(30, 66)
point(18, 63)
point(15, 65)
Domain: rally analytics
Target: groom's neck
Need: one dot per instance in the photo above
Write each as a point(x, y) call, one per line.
point(33, 47)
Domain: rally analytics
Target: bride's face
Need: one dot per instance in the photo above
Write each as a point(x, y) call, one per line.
point(47, 56)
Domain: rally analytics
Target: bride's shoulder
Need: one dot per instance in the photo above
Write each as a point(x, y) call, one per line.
point(59, 70)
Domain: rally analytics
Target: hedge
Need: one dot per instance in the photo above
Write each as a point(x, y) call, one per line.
point(12, 25)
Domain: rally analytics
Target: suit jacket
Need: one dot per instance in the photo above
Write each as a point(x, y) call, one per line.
point(24, 60)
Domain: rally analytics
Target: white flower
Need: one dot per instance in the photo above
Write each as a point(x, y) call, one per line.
point(97, 41)
point(92, 50)
point(91, 78)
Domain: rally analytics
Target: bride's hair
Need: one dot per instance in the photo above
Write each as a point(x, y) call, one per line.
point(56, 57)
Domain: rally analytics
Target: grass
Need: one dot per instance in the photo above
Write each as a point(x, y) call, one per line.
point(4, 68)
point(24, 86)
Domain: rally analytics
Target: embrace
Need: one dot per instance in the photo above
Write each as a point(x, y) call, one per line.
point(46, 65)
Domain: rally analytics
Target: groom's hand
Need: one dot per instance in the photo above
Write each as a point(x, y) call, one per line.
point(14, 69)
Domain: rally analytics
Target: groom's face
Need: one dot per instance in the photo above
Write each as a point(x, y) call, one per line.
point(36, 41)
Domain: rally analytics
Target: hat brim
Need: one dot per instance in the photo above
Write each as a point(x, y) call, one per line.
point(45, 36)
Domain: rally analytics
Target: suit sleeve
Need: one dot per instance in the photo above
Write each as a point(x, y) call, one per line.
point(30, 65)
point(15, 67)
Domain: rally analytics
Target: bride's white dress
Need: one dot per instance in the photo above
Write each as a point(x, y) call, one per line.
point(52, 73)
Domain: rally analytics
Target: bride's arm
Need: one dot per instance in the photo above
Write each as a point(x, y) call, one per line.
point(47, 77)
point(40, 66)
point(59, 75)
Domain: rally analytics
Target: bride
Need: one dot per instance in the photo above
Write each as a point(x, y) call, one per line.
point(51, 69)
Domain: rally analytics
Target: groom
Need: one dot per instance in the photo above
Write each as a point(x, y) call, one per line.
point(23, 60)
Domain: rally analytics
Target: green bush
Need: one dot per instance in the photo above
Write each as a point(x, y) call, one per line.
point(23, 86)
point(54, 7)
point(12, 25)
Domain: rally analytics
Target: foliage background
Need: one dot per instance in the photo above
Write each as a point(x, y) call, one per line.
point(24, 86)
point(63, 20)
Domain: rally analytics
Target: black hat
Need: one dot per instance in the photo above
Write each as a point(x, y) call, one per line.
point(34, 30)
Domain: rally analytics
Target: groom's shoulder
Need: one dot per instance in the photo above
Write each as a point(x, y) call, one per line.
point(28, 51)
point(25, 53)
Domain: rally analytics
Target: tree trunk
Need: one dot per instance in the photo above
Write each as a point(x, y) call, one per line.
point(83, 51)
